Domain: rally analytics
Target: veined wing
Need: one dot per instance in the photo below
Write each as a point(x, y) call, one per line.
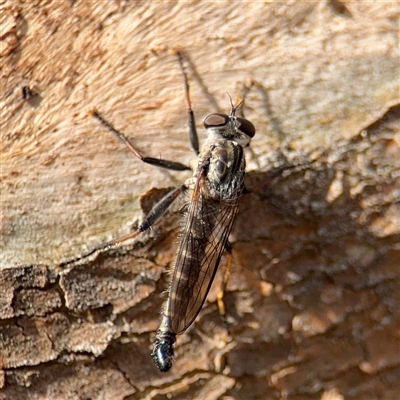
point(205, 232)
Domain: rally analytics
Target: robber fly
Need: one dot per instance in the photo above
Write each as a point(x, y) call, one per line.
point(212, 194)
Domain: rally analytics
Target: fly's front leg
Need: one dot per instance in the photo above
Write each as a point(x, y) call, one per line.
point(155, 213)
point(173, 165)
point(194, 140)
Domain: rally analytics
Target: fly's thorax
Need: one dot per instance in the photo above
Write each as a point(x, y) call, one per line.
point(221, 169)
point(226, 162)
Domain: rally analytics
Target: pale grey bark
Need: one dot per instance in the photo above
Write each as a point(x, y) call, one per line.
point(313, 296)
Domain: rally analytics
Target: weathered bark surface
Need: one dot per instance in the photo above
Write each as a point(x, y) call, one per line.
point(313, 298)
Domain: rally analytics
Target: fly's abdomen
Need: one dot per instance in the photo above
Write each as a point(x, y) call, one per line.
point(163, 351)
point(193, 270)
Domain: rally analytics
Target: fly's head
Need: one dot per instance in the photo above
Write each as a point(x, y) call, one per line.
point(222, 126)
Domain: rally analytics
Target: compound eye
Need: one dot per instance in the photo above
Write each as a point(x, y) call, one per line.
point(216, 120)
point(245, 126)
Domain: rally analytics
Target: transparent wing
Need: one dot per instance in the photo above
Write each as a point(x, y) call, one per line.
point(204, 234)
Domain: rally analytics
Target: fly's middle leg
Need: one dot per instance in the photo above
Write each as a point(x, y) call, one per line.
point(157, 162)
point(271, 176)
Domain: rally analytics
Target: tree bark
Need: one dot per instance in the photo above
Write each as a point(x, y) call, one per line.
point(313, 297)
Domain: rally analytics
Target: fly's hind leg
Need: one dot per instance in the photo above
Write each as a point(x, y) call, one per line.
point(155, 213)
point(225, 279)
point(228, 246)
point(159, 209)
